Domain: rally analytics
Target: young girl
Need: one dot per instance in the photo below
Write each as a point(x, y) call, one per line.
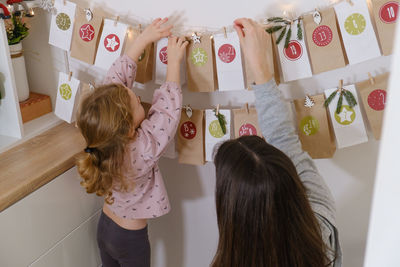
point(123, 149)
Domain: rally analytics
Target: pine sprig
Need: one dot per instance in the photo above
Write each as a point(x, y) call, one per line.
point(221, 120)
point(288, 36)
point(281, 35)
point(274, 19)
point(329, 99)
point(299, 30)
point(340, 103)
point(351, 100)
point(274, 29)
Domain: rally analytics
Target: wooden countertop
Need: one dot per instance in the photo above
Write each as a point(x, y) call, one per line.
point(34, 163)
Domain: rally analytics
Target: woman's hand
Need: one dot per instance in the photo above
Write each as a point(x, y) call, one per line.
point(176, 50)
point(154, 32)
point(253, 39)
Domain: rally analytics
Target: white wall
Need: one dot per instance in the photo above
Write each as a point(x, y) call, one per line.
point(188, 235)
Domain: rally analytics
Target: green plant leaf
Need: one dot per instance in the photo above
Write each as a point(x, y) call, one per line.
point(339, 104)
point(351, 100)
point(299, 30)
point(281, 35)
point(274, 29)
point(221, 120)
point(288, 36)
point(274, 19)
point(329, 99)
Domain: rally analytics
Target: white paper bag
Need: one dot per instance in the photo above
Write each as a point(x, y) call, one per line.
point(358, 35)
point(348, 124)
point(229, 62)
point(162, 63)
point(62, 25)
point(111, 43)
point(67, 102)
point(294, 60)
point(214, 134)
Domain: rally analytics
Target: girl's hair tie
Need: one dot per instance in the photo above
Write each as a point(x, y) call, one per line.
point(89, 149)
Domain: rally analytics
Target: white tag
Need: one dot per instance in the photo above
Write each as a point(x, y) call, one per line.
point(89, 14)
point(317, 17)
point(294, 59)
point(357, 31)
point(111, 43)
point(62, 25)
point(229, 62)
point(214, 134)
point(188, 111)
point(66, 104)
point(348, 124)
point(162, 63)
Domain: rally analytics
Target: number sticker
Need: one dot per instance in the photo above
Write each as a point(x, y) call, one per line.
point(388, 12)
point(227, 53)
point(163, 55)
point(294, 51)
point(247, 129)
point(309, 125)
point(188, 130)
point(355, 24)
point(322, 35)
point(377, 99)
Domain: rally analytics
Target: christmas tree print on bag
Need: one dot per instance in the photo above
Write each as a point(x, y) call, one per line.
point(200, 62)
point(86, 36)
point(62, 23)
point(67, 101)
point(373, 95)
point(228, 62)
point(323, 42)
point(357, 31)
point(245, 122)
point(111, 43)
point(315, 132)
point(386, 13)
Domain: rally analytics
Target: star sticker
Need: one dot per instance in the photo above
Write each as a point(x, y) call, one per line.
point(112, 43)
point(345, 115)
point(164, 55)
point(199, 57)
point(87, 33)
point(196, 38)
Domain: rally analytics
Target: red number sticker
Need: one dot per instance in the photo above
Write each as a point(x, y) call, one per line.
point(112, 42)
point(322, 35)
point(227, 53)
point(294, 51)
point(163, 55)
point(247, 129)
point(377, 99)
point(188, 130)
point(388, 12)
point(87, 32)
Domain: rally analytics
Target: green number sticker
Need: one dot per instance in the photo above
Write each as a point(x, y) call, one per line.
point(309, 125)
point(355, 24)
point(63, 21)
point(199, 56)
point(346, 116)
point(215, 129)
point(65, 91)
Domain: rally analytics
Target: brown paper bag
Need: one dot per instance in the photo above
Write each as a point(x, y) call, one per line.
point(85, 38)
point(315, 132)
point(191, 138)
point(145, 63)
point(323, 42)
point(373, 96)
point(245, 122)
point(271, 64)
point(385, 14)
point(200, 65)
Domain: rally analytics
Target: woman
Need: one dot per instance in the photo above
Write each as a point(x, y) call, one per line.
point(273, 207)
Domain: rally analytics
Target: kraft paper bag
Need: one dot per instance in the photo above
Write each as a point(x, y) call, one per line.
point(323, 41)
point(191, 138)
point(144, 71)
point(245, 122)
point(86, 35)
point(386, 14)
point(315, 132)
point(373, 96)
point(200, 62)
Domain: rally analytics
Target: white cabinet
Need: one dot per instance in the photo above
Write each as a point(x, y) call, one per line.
point(55, 224)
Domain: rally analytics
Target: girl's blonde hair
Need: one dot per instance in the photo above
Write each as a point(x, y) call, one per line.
point(105, 120)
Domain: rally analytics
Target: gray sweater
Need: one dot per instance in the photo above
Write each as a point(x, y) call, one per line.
point(277, 128)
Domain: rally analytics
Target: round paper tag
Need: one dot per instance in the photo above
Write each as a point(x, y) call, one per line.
point(377, 99)
point(163, 55)
point(346, 116)
point(63, 21)
point(322, 35)
point(65, 91)
point(112, 42)
point(86, 32)
point(309, 125)
point(227, 53)
point(355, 24)
point(199, 56)
point(188, 130)
point(388, 12)
point(215, 129)
point(247, 129)
point(294, 51)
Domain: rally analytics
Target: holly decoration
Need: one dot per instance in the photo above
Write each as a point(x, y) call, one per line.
point(221, 120)
point(342, 93)
point(282, 24)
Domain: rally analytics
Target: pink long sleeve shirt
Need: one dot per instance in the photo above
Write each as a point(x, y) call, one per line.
point(149, 197)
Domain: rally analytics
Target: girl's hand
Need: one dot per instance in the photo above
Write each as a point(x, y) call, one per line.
point(252, 40)
point(176, 50)
point(154, 32)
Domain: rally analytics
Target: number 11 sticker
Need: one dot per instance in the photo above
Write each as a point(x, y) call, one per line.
point(388, 12)
point(294, 51)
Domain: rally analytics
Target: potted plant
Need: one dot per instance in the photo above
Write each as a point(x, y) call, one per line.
point(17, 30)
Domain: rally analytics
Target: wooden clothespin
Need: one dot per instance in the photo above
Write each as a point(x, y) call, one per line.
point(225, 34)
point(246, 106)
point(371, 78)
point(65, 2)
point(350, 2)
point(217, 110)
point(340, 85)
point(116, 21)
point(70, 76)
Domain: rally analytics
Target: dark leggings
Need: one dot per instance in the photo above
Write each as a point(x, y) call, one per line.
point(122, 247)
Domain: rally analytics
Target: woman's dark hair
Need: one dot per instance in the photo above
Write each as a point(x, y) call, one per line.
point(264, 217)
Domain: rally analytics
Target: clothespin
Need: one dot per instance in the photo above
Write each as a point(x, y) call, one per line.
point(70, 76)
point(65, 2)
point(247, 108)
point(371, 78)
point(217, 110)
point(350, 2)
point(340, 85)
point(116, 21)
point(225, 34)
